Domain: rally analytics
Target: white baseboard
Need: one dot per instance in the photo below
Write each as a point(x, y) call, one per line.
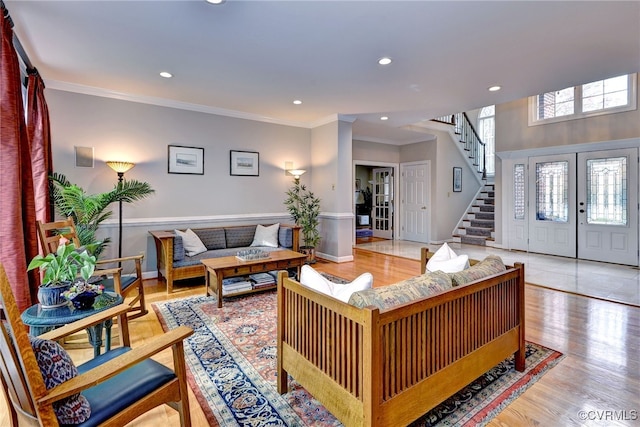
point(333, 258)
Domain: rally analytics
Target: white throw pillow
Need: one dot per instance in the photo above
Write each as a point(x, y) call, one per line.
point(311, 278)
point(266, 236)
point(446, 260)
point(191, 242)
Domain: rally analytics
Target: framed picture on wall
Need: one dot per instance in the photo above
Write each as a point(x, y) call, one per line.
point(457, 179)
point(189, 160)
point(245, 163)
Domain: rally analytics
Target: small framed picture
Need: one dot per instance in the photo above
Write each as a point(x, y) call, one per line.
point(245, 163)
point(457, 179)
point(189, 160)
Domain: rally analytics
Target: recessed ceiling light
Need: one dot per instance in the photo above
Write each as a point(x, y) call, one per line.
point(297, 102)
point(215, 1)
point(384, 60)
point(495, 88)
point(166, 75)
point(384, 118)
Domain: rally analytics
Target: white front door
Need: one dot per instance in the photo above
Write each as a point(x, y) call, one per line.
point(608, 206)
point(382, 212)
point(414, 202)
point(552, 205)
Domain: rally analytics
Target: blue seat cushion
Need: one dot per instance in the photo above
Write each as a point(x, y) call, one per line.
point(123, 390)
point(125, 281)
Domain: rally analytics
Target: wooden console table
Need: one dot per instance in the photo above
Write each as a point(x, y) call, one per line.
point(230, 266)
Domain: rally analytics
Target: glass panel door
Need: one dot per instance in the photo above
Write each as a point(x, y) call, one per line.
point(552, 225)
point(608, 206)
point(383, 203)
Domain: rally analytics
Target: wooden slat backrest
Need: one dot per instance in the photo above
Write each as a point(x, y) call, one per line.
point(20, 369)
point(49, 234)
point(421, 338)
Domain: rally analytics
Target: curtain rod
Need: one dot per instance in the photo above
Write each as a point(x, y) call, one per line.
point(16, 42)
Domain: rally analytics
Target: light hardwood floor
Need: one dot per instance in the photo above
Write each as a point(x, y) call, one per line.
point(601, 340)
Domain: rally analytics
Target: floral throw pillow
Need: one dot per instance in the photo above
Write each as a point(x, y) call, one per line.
point(57, 367)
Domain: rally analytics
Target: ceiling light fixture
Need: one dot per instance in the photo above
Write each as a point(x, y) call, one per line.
point(166, 74)
point(297, 101)
point(384, 118)
point(495, 88)
point(384, 60)
point(215, 1)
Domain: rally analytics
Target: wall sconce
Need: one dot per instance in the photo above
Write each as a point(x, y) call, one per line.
point(296, 172)
point(120, 168)
point(289, 170)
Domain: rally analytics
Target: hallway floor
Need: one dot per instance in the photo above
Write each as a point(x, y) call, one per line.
point(610, 282)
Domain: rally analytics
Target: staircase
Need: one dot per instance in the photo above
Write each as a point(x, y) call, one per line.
point(478, 226)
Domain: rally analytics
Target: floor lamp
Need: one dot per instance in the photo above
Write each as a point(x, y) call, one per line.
point(120, 168)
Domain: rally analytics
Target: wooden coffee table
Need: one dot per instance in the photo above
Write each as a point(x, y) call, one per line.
point(231, 266)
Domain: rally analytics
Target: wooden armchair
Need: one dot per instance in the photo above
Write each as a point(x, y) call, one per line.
point(119, 385)
point(50, 233)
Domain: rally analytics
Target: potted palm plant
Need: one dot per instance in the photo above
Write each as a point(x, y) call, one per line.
point(89, 210)
point(304, 208)
point(60, 270)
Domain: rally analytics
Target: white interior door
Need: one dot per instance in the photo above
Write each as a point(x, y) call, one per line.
point(552, 205)
point(414, 202)
point(608, 206)
point(382, 212)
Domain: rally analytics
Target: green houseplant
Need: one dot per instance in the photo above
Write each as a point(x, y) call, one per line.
point(304, 208)
point(90, 210)
point(60, 270)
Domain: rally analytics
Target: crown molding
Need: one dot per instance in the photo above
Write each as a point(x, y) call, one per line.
point(333, 118)
point(163, 102)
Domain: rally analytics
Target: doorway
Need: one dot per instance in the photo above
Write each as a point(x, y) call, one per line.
point(579, 205)
point(374, 205)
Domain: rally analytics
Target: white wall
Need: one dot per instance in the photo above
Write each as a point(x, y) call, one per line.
point(137, 132)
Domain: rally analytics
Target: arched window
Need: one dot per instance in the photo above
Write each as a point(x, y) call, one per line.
point(487, 132)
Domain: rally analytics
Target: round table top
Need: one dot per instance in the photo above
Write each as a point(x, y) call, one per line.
point(59, 316)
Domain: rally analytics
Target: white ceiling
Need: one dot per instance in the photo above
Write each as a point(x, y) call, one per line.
point(253, 58)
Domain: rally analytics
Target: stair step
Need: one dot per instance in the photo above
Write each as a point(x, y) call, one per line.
point(473, 240)
point(478, 231)
point(483, 223)
point(484, 215)
point(487, 208)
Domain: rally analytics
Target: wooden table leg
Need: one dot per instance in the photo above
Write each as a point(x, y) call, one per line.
point(219, 276)
point(206, 282)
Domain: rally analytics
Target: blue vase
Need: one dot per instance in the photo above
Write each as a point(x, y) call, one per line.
point(84, 300)
point(51, 296)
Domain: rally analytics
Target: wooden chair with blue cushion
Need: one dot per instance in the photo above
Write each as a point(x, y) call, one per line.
point(45, 388)
point(125, 285)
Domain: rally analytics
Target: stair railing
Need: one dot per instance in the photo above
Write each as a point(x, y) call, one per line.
point(469, 138)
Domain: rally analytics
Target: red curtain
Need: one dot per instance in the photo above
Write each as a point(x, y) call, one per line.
point(39, 133)
point(17, 204)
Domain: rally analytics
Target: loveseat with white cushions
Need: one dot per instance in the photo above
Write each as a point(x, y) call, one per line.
point(392, 353)
point(179, 252)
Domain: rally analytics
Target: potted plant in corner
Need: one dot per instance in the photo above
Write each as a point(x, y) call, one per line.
point(60, 270)
point(304, 208)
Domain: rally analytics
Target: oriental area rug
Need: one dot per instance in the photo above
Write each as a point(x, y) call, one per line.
point(231, 367)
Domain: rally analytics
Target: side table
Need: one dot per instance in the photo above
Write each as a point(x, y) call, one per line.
point(42, 320)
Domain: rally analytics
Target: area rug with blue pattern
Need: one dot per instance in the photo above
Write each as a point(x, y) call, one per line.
point(231, 367)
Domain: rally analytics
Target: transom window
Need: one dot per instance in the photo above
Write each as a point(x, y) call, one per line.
point(606, 96)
